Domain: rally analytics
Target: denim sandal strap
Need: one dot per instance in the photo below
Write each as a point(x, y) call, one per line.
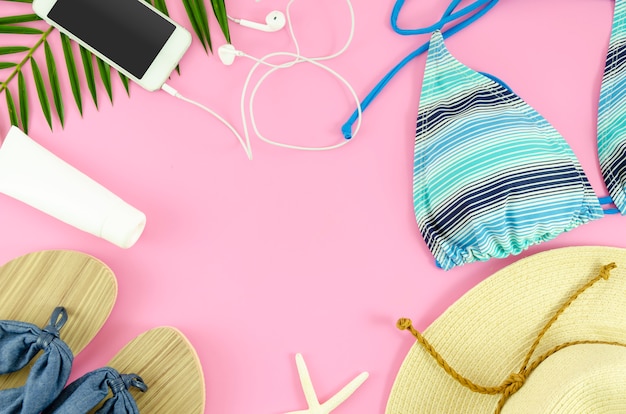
point(19, 343)
point(87, 392)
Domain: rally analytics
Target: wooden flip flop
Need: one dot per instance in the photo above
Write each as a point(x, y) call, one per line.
point(34, 284)
point(169, 365)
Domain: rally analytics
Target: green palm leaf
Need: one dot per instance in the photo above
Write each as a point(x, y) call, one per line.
point(41, 92)
point(23, 95)
point(105, 75)
point(200, 10)
point(12, 110)
point(19, 30)
point(195, 21)
point(125, 83)
point(219, 10)
point(19, 19)
point(6, 65)
point(72, 72)
point(21, 1)
point(54, 82)
point(161, 6)
point(89, 74)
point(9, 50)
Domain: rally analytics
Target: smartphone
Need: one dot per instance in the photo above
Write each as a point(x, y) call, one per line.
point(130, 35)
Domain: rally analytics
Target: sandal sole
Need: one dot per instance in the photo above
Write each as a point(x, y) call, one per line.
point(167, 362)
point(34, 284)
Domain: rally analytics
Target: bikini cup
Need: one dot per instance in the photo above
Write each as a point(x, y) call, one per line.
point(490, 175)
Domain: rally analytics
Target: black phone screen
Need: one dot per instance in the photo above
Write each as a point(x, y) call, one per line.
point(125, 31)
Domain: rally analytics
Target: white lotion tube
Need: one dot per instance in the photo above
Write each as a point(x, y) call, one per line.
point(35, 176)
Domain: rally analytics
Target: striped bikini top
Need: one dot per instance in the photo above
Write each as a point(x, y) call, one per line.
point(491, 176)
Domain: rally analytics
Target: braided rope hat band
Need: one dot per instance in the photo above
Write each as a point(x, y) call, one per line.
point(546, 334)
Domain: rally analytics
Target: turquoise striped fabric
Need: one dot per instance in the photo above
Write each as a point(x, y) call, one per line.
point(612, 112)
point(491, 176)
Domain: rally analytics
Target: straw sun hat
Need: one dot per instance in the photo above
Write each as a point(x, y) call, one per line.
point(546, 334)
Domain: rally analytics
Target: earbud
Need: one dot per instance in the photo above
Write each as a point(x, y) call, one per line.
point(227, 54)
point(274, 21)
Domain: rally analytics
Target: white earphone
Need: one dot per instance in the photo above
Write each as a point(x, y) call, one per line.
point(274, 21)
point(227, 54)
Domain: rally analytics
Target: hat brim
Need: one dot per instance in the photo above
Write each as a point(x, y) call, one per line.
point(486, 334)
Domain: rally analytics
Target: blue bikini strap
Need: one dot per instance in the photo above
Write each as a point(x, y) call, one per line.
point(448, 16)
point(604, 201)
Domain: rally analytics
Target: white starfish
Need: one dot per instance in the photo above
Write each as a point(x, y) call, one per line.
point(309, 392)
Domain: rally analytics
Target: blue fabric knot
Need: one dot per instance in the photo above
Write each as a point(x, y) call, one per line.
point(51, 332)
point(125, 381)
point(20, 342)
point(44, 339)
point(91, 389)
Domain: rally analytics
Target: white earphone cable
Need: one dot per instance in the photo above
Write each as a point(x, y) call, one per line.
point(298, 58)
point(334, 55)
point(167, 88)
point(258, 85)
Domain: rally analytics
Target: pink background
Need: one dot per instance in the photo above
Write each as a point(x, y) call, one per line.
point(316, 253)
